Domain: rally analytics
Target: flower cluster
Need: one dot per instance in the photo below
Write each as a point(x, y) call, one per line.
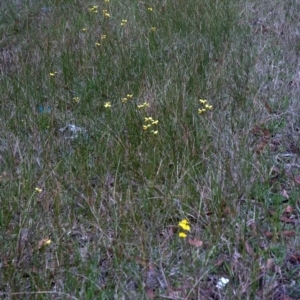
point(105, 13)
point(125, 99)
point(103, 37)
point(145, 104)
point(124, 22)
point(185, 227)
point(150, 122)
point(205, 106)
point(39, 190)
point(107, 104)
point(94, 9)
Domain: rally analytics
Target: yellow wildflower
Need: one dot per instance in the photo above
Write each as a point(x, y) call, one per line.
point(105, 13)
point(97, 44)
point(124, 21)
point(145, 104)
point(107, 105)
point(93, 9)
point(125, 99)
point(103, 36)
point(200, 111)
point(185, 225)
point(37, 189)
point(155, 122)
point(76, 99)
point(205, 106)
point(154, 132)
point(83, 29)
point(52, 74)
point(182, 235)
point(149, 119)
point(150, 9)
point(153, 29)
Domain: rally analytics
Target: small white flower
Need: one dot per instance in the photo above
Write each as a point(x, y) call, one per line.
point(222, 283)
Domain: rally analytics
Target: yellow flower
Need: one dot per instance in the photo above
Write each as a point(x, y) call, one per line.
point(52, 74)
point(208, 106)
point(37, 189)
point(205, 106)
point(154, 132)
point(97, 44)
point(155, 122)
point(124, 21)
point(153, 29)
point(185, 225)
point(149, 119)
point(182, 235)
point(76, 99)
point(107, 105)
point(125, 99)
point(145, 104)
point(93, 9)
point(200, 111)
point(150, 9)
point(145, 127)
point(106, 1)
point(105, 13)
point(103, 36)
point(83, 29)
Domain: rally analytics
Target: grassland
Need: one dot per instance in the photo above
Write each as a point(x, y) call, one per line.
point(120, 119)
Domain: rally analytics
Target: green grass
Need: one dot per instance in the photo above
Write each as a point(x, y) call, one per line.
point(112, 195)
